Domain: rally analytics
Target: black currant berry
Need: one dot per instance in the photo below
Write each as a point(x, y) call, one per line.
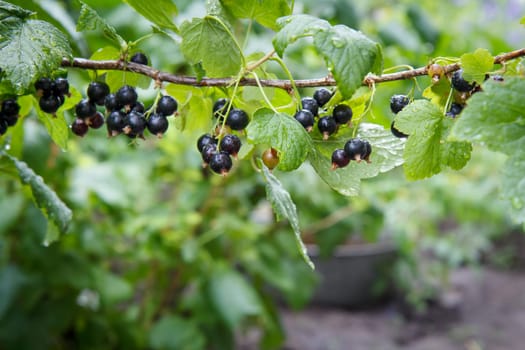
point(339, 159)
point(139, 58)
point(138, 107)
point(61, 86)
point(306, 118)
point(126, 96)
point(61, 99)
point(207, 152)
point(135, 123)
point(97, 92)
point(3, 126)
point(270, 158)
point(311, 105)
point(398, 102)
point(396, 131)
point(85, 109)
point(115, 122)
point(357, 149)
point(157, 124)
point(96, 120)
point(455, 109)
point(44, 86)
point(237, 119)
point(9, 119)
point(166, 106)
point(204, 140)
point(79, 127)
point(342, 114)
point(327, 126)
point(111, 103)
point(365, 155)
point(219, 107)
point(459, 83)
point(10, 107)
point(221, 163)
point(230, 144)
point(322, 96)
point(49, 104)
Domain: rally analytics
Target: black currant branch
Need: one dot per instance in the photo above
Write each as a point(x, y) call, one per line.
point(285, 84)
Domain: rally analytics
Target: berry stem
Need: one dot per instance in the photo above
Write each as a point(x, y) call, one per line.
point(263, 93)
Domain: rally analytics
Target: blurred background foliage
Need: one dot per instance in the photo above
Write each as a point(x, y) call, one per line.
point(164, 255)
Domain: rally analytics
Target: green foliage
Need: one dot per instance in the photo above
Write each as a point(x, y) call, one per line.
point(264, 12)
point(173, 333)
point(159, 12)
point(90, 20)
point(476, 65)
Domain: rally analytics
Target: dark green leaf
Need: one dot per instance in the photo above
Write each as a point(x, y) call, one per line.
point(174, 333)
point(159, 12)
point(204, 40)
point(12, 280)
point(90, 20)
point(11, 15)
point(295, 27)
point(264, 12)
point(284, 207)
point(350, 56)
point(283, 133)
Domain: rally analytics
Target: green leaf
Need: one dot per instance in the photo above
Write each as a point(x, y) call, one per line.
point(284, 207)
point(264, 12)
point(159, 12)
point(117, 78)
point(513, 186)
point(90, 20)
point(387, 153)
point(56, 126)
point(283, 133)
point(174, 333)
point(476, 65)
point(456, 154)
point(195, 109)
point(295, 27)
point(438, 93)
point(28, 48)
point(112, 288)
point(45, 198)
point(233, 298)
point(350, 56)
point(12, 281)
point(204, 41)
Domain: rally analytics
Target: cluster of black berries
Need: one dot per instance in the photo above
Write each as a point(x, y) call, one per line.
point(327, 125)
point(217, 154)
point(236, 119)
point(354, 149)
point(86, 110)
point(8, 114)
point(52, 93)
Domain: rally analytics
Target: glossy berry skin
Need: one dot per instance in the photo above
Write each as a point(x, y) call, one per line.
point(311, 105)
point(365, 154)
point(96, 120)
point(357, 149)
point(138, 107)
point(207, 152)
point(166, 106)
point(237, 119)
point(97, 92)
point(115, 122)
point(339, 159)
point(270, 158)
point(10, 120)
point(342, 114)
point(49, 104)
point(230, 144)
point(327, 126)
point(3, 126)
point(157, 124)
point(398, 102)
point(10, 107)
point(139, 58)
point(459, 83)
point(45, 85)
point(455, 109)
point(61, 86)
point(306, 118)
point(204, 140)
point(111, 103)
point(221, 163)
point(396, 132)
point(79, 127)
point(85, 109)
point(322, 96)
point(126, 95)
point(219, 107)
point(136, 123)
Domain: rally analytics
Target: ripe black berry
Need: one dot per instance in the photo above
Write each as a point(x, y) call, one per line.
point(339, 159)
point(311, 105)
point(10, 107)
point(135, 123)
point(230, 144)
point(204, 140)
point(3, 126)
point(207, 152)
point(44, 86)
point(139, 58)
point(61, 86)
point(115, 122)
point(455, 109)
point(459, 83)
point(396, 132)
point(327, 126)
point(111, 103)
point(221, 163)
point(322, 96)
point(49, 104)
point(85, 109)
point(357, 149)
point(306, 118)
point(97, 92)
point(166, 106)
point(237, 119)
point(157, 124)
point(342, 114)
point(126, 96)
point(96, 120)
point(9, 119)
point(270, 158)
point(138, 107)
point(398, 102)
point(79, 127)
point(219, 107)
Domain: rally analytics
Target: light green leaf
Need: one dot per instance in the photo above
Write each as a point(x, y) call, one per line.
point(117, 78)
point(56, 126)
point(438, 93)
point(159, 12)
point(295, 27)
point(476, 65)
point(387, 153)
point(513, 186)
point(456, 154)
point(28, 48)
point(350, 56)
point(173, 333)
point(45, 198)
point(283, 133)
point(90, 20)
point(284, 207)
point(204, 41)
point(233, 297)
point(264, 12)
